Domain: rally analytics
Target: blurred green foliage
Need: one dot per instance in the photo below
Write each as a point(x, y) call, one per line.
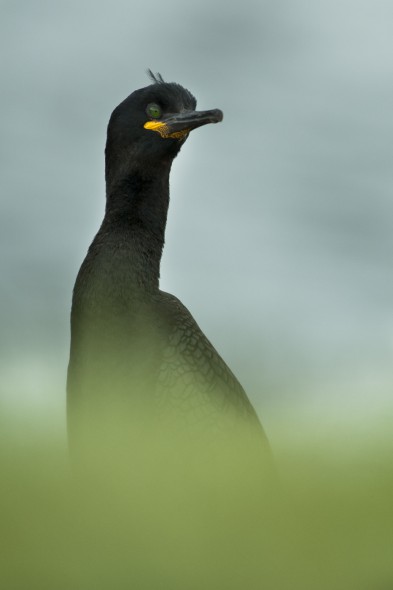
point(326, 522)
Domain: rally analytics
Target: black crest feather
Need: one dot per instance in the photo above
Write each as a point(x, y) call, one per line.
point(156, 78)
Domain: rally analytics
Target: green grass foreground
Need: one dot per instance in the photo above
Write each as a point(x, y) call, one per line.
point(326, 524)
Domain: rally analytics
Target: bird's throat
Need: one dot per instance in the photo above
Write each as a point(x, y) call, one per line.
point(134, 224)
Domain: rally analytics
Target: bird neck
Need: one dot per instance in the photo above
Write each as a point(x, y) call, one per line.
point(135, 218)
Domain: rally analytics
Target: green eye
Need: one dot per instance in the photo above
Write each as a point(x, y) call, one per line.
point(153, 110)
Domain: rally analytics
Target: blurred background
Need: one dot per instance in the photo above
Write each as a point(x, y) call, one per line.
point(279, 238)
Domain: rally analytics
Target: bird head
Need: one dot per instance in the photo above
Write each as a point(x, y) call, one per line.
point(149, 127)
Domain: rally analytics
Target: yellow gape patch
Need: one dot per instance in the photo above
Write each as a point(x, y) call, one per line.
point(164, 130)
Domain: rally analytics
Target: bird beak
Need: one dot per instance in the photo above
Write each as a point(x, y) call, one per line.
point(178, 125)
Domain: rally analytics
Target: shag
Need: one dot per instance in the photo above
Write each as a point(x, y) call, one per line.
point(134, 347)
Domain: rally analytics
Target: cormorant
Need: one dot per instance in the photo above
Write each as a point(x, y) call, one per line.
point(136, 350)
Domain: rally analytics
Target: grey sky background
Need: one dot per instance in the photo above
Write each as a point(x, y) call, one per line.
point(279, 237)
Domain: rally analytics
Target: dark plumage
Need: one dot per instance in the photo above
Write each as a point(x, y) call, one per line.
point(135, 350)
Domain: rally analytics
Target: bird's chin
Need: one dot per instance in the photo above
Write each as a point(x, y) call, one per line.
point(183, 138)
point(175, 145)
